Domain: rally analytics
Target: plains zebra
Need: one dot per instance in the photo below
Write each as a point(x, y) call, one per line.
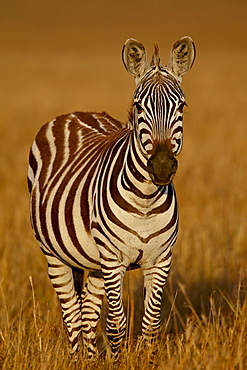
point(102, 198)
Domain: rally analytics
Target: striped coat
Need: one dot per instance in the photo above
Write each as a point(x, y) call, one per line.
point(102, 198)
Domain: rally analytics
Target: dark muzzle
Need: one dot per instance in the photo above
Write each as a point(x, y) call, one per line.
point(162, 165)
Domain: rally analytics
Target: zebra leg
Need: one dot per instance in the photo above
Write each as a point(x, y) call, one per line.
point(78, 275)
point(93, 295)
point(62, 279)
point(154, 281)
point(116, 320)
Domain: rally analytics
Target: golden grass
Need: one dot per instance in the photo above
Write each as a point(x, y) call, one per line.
point(204, 312)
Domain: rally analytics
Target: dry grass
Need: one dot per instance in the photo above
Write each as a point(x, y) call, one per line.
point(205, 306)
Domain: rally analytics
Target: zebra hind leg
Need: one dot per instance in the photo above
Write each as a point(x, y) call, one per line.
point(92, 297)
point(78, 276)
point(62, 279)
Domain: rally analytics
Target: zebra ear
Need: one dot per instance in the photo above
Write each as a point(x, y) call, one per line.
point(134, 58)
point(182, 56)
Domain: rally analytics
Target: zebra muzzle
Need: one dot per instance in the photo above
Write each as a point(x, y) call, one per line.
point(162, 166)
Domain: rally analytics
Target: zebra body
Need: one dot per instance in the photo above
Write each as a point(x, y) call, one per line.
point(102, 198)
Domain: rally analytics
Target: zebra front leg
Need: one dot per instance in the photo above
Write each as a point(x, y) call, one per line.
point(116, 320)
point(61, 277)
point(154, 281)
point(92, 298)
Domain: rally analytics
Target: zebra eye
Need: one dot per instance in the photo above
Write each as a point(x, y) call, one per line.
point(139, 108)
point(181, 107)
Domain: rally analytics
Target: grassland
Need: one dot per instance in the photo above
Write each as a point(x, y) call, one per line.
point(204, 312)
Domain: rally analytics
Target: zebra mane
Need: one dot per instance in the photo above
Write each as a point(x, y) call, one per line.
point(131, 116)
point(156, 56)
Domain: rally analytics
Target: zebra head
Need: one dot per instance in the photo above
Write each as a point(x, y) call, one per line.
point(158, 105)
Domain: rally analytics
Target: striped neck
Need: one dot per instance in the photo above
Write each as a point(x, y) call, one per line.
point(135, 182)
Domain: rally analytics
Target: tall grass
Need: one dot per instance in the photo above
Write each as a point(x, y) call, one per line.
point(204, 311)
point(34, 337)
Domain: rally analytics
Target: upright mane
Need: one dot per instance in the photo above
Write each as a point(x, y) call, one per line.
point(156, 56)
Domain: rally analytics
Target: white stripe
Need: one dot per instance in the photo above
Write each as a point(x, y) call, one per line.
point(66, 150)
point(51, 141)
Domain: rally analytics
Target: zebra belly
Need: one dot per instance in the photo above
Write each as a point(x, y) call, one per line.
point(141, 245)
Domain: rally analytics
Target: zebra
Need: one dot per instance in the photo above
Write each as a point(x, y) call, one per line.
point(102, 200)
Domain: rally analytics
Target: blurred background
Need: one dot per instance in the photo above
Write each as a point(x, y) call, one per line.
point(66, 55)
point(62, 56)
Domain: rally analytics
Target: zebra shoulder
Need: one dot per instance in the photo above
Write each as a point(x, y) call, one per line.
point(70, 130)
point(100, 122)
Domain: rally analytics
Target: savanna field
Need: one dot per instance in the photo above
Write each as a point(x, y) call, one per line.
point(63, 57)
